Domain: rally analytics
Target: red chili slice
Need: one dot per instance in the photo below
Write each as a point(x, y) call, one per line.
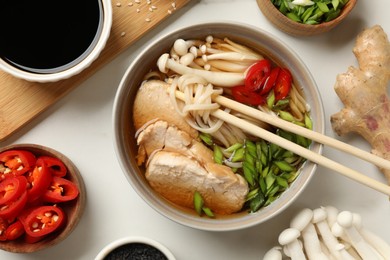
point(12, 210)
point(257, 74)
point(283, 84)
point(270, 81)
point(42, 221)
point(17, 161)
point(39, 180)
point(60, 190)
point(14, 231)
point(56, 166)
point(3, 228)
point(11, 188)
point(243, 95)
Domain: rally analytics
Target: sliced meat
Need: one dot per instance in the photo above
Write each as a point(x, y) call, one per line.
point(176, 177)
point(152, 102)
point(160, 135)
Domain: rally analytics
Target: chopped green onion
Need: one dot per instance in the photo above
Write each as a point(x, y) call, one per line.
point(208, 212)
point(206, 138)
point(218, 155)
point(198, 203)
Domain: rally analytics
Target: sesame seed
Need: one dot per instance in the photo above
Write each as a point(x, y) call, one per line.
point(147, 19)
point(130, 4)
point(138, 10)
point(137, 1)
point(118, 4)
point(123, 34)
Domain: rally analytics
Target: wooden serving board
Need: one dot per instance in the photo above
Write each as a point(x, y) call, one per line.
point(21, 101)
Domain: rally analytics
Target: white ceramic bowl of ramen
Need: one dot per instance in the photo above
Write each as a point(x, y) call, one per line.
point(124, 127)
point(48, 43)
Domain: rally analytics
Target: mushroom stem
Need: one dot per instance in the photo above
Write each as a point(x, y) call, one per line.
point(223, 79)
point(232, 56)
point(344, 253)
point(311, 242)
point(375, 241)
point(319, 219)
point(289, 239)
point(338, 232)
point(345, 219)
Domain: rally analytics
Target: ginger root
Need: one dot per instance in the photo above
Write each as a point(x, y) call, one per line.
point(363, 91)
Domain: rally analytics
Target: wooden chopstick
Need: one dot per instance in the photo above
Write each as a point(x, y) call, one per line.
point(300, 150)
point(296, 129)
point(295, 148)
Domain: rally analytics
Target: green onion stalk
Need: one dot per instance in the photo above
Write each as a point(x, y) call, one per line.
point(310, 11)
point(268, 168)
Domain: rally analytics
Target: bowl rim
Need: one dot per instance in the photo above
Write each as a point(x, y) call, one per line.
point(134, 239)
point(78, 67)
point(130, 172)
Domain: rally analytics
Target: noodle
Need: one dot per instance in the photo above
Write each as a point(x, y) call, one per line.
point(216, 54)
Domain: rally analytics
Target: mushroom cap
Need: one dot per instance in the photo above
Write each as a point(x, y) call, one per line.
point(302, 219)
point(180, 46)
point(288, 235)
point(273, 254)
point(345, 219)
point(187, 58)
point(162, 63)
point(332, 213)
point(337, 230)
point(319, 215)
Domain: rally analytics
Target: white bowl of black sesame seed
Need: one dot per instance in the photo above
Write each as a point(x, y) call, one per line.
point(135, 248)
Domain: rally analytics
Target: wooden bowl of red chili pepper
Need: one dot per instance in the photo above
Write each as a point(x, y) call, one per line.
point(42, 197)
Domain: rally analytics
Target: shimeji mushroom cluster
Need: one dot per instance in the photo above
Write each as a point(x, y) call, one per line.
point(221, 62)
point(326, 233)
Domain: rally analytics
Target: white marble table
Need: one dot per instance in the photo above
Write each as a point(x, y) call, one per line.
point(80, 126)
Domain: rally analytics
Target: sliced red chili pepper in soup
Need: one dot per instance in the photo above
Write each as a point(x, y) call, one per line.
point(11, 188)
point(243, 95)
point(39, 180)
point(14, 231)
point(257, 74)
point(283, 84)
point(56, 166)
point(270, 81)
point(43, 221)
point(60, 190)
point(17, 162)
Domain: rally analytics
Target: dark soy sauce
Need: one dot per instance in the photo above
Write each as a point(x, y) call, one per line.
point(46, 36)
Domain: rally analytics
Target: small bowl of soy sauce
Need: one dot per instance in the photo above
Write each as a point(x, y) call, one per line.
point(47, 41)
point(135, 248)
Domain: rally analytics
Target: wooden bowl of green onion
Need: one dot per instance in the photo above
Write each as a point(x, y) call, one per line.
point(306, 17)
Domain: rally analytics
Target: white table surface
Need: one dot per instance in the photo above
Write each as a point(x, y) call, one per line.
point(80, 126)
